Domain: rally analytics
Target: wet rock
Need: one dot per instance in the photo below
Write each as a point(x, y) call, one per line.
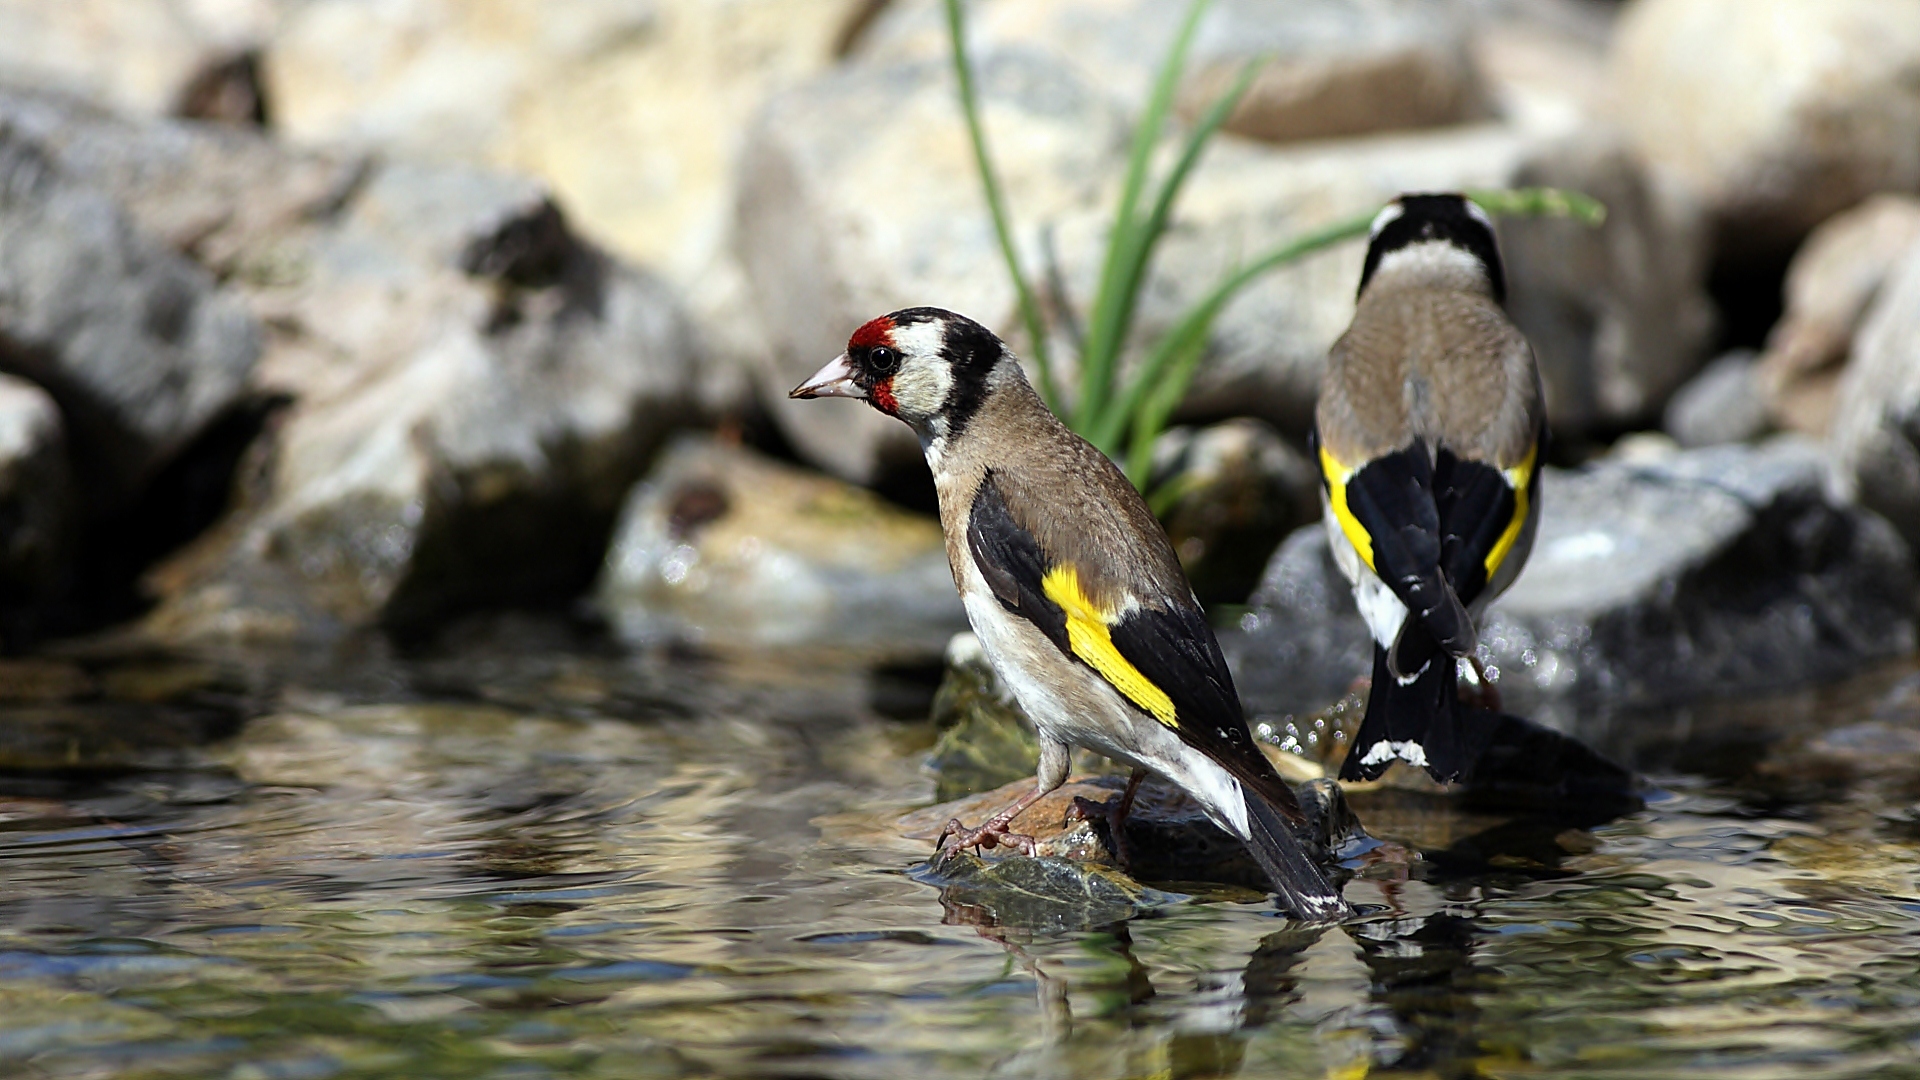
point(1618, 315)
point(1831, 285)
point(1725, 403)
point(1705, 573)
point(474, 390)
point(1236, 490)
point(36, 497)
point(141, 347)
point(1875, 437)
point(1832, 127)
point(725, 546)
point(1169, 838)
point(137, 56)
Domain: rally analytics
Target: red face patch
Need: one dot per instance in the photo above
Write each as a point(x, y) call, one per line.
point(882, 397)
point(877, 332)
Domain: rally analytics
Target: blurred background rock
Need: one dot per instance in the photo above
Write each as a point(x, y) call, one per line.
point(325, 315)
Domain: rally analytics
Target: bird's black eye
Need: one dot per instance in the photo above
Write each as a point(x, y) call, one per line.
point(882, 360)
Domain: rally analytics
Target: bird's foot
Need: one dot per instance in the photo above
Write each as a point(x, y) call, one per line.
point(1114, 812)
point(991, 833)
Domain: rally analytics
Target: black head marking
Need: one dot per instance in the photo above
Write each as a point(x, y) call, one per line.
point(1451, 219)
point(971, 351)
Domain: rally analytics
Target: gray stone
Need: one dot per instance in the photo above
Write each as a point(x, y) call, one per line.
point(141, 347)
point(475, 389)
point(1723, 404)
point(36, 496)
point(1773, 115)
point(1709, 573)
point(214, 194)
point(1237, 489)
point(1618, 315)
point(724, 547)
point(1875, 436)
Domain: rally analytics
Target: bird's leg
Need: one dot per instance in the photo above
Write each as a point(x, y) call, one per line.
point(991, 832)
point(1484, 694)
point(1115, 811)
point(1054, 757)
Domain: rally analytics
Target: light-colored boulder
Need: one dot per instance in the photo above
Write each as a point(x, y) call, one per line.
point(728, 548)
point(475, 388)
point(1830, 286)
point(1875, 435)
point(1336, 67)
point(631, 111)
point(1618, 315)
point(1773, 113)
point(138, 56)
point(140, 346)
point(1708, 573)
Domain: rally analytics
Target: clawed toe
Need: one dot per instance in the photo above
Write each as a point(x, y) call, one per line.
point(990, 834)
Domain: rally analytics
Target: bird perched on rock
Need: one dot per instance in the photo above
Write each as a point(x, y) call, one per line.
point(1074, 592)
point(1429, 432)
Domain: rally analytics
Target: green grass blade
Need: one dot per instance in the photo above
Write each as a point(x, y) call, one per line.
point(1541, 202)
point(1105, 329)
point(1198, 321)
point(996, 206)
point(1155, 226)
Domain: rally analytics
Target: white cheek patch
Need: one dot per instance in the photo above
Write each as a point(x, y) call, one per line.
point(920, 386)
point(1479, 215)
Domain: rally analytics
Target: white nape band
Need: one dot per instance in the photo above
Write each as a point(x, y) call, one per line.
point(1387, 216)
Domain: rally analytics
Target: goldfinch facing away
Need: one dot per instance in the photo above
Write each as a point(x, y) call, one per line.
point(1074, 591)
point(1429, 432)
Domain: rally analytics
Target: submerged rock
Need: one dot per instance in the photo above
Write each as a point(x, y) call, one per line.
point(1705, 573)
point(722, 545)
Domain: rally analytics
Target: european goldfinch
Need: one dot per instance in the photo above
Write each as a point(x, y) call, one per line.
point(1074, 591)
point(1429, 432)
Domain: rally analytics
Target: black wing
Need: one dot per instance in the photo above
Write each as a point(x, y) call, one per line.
point(1159, 653)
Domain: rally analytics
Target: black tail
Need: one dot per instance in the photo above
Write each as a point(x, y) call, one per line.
point(1421, 722)
point(1303, 887)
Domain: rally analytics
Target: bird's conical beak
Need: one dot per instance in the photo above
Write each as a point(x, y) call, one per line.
point(834, 380)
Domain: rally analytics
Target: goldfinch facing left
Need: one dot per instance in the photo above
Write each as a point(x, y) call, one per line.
point(1429, 432)
point(1074, 590)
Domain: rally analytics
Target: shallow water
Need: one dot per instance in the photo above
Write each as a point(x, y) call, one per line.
point(528, 857)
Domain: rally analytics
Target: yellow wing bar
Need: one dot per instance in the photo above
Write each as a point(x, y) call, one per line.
point(1090, 639)
point(1520, 477)
point(1357, 535)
